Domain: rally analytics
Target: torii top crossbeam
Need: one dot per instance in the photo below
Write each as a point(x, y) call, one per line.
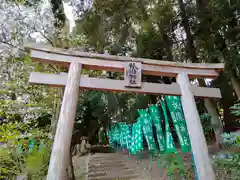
point(51, 55)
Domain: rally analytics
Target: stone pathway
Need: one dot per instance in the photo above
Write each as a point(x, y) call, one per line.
point(113, 166)
point(109, 167)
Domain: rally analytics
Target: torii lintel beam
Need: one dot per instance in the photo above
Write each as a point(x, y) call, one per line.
point(46, 54)
point(92, 83)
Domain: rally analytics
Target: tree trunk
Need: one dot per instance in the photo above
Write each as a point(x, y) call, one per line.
point(191, 51)
point(59, 22)
point(236, 84)
point(58, 12)
point(230, 120)
point(56, 111)
point(212, 111)
point(210, 106)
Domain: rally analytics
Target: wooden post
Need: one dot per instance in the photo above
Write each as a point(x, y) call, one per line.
point(61, 146)
point(196, 135)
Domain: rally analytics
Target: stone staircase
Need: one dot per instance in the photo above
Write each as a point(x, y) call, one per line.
point(119, 166)
point(116, 166)
point(112, 166)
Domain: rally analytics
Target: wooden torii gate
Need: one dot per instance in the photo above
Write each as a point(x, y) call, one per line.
point(73, 80)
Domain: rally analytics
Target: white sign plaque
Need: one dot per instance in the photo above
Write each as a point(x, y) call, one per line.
point(133, 74)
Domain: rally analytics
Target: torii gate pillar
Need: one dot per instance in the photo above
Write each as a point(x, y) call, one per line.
point(196, 135)
point(61, 146)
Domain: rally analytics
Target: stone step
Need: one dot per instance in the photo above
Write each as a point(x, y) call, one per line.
point(108, 157)
point(115, 172)
point(104, 168)
point(97, 173)
point(106, 165)
point(96, 169)
point(106, 161)
point(105, 156)
point(119, 171)
point(130, 176)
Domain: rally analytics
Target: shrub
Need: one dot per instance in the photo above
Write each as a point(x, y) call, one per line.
point(16, 158)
